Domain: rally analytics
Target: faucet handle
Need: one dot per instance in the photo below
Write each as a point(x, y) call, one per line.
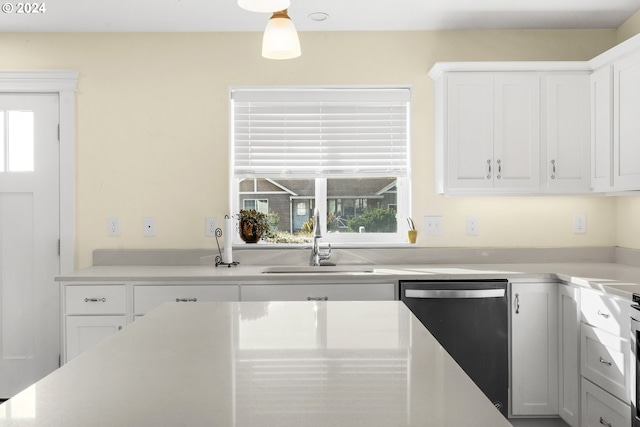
point(325, 255)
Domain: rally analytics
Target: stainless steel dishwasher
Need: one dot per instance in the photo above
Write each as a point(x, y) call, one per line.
point(469, 319)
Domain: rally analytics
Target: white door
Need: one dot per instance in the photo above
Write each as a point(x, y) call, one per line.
point(29, 233)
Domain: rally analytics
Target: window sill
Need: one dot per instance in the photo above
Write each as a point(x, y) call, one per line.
point(334, 245)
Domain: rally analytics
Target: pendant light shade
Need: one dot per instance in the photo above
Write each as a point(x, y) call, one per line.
point(264, 6)
point(280, 39)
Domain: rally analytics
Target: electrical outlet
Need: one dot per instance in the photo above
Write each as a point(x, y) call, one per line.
point(113, 226)
point(579, 224)
point(210, 225)
point(473, 225)
point(433, 225)
point(149, 227)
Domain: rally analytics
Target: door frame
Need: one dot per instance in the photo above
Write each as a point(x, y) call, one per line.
point(64, 84)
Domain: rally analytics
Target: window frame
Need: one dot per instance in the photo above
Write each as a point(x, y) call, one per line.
point(403, 183)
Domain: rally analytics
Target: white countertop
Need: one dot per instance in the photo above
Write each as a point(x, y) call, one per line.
point(261, 364)
point(618, 279)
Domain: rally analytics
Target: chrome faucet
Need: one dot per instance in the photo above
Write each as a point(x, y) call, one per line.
point(316, 255)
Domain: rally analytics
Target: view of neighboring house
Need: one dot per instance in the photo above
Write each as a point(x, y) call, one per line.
point(293, 199)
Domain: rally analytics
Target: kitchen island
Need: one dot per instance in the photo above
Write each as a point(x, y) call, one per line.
point(261, 364)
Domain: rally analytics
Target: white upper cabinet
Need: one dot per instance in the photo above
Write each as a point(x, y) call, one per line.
point(626, 128)
point(601, 129)
point(517, 131)
point(470, 130)
point(567, 166)
point(491, 132)
point(512, 128)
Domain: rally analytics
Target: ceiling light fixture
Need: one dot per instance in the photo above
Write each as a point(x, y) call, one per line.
point(280, 39)
point(264, 6)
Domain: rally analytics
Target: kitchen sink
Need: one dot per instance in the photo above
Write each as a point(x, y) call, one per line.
point(308, 269)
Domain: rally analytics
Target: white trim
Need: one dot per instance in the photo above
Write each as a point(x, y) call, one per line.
point(64, 83)
point(533, 66)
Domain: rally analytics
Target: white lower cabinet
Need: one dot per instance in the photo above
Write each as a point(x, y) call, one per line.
point(569, 354)
point(605, 360)
point(91, 313)
point(148, 297)
point(534, 348)
point(320, 292)
point(83, 332)
point(600, 409)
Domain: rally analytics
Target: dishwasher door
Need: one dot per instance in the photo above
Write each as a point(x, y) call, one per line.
point(469, 319)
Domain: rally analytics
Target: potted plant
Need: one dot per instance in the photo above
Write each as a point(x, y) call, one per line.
point(252, 225)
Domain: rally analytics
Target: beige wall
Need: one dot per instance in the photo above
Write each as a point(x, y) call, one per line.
point(629, 28)
point(152, 126)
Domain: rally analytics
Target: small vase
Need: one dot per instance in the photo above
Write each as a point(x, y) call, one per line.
point(412, 235)
point(250, 232)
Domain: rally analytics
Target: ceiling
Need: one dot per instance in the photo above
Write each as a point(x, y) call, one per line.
point(344, 15)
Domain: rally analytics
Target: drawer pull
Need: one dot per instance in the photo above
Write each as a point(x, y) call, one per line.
point(517, 301)
point(317, 298)
point(604, 423)
point(186, 299)
point(95, 300)
point(604, 362)
point(605, 315)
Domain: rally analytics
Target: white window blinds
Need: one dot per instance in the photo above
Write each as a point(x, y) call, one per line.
point(320, 132)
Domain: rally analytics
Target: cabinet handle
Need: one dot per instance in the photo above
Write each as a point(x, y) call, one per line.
point(604, 362)
point(604, 423)
point(489, 165)
point(517, 303)
point(186, 299)
point(95, 300)
point(605, 315)
point(553, 169)
point(317, 298)
point(119, 328)
point(499, 169)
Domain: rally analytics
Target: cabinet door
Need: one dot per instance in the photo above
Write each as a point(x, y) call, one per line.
point(83, 332)
point(601, 129)
point(626, 130)
point(568, 133)
point(469, 154)
point(568, 355)
point(516, 149)
point(534, 347)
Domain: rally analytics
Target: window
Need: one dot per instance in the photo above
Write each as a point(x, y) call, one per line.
point(16, 141)
point(344, 151)
point(260, 205)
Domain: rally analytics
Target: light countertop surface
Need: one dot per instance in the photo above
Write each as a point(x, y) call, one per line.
point(261, 364)
point(618, 279)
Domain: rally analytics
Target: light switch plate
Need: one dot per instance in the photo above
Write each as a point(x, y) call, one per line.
point(433, 225)
point(149, 227)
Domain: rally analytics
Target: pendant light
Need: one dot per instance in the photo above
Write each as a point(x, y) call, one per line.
point(264, 6)
point(280, 39)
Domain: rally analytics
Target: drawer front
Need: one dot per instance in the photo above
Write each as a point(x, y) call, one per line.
point(146, 298)
point(99, 299)
point(606, 313)
point(600, 409)
point(606, 361)
point(319, 292)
